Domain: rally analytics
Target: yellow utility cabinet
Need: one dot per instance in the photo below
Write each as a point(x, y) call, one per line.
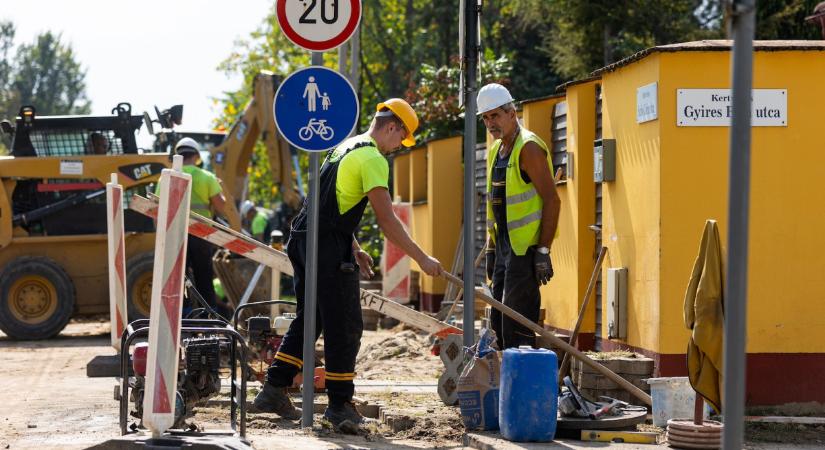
point(661, 119)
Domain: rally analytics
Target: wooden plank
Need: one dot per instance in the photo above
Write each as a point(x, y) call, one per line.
point(383, 305)
point(230, 239)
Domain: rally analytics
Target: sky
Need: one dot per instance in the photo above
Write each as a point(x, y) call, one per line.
point(147, 52)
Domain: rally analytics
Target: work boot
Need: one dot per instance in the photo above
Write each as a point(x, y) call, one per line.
point(273, 399)
point(344, 417)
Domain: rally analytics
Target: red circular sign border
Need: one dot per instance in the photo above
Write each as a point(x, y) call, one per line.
point(319, 46)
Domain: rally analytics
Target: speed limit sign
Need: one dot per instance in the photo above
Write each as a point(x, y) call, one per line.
point(318, 25)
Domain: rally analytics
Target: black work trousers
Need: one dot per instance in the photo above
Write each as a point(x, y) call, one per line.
point(199, 261)
point(515, 285)
point(338, 316)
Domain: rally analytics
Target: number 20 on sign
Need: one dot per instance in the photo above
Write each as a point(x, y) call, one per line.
point(318, 25)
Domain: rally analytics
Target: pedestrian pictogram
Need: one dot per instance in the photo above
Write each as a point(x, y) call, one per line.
point(315, 108)
point(310, 94)
point(318, 25)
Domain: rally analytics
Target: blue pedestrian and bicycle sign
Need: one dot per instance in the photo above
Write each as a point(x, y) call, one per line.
point(315, 109)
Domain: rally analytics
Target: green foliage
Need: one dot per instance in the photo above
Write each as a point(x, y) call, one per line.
point(435, 96)
point(785, 19)
point(587, 35)
point(517, 29)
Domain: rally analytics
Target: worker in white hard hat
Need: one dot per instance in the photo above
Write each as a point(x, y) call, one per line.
point(207, 200)
point(354, 174)
point(522, 215)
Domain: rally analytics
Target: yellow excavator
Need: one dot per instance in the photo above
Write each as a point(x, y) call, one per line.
point(53, 246)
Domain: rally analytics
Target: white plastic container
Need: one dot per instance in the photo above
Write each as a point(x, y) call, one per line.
point(673, 398)
point(283, 322)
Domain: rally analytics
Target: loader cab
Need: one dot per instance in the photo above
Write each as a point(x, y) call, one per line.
point(74, 135)
point(69, 156)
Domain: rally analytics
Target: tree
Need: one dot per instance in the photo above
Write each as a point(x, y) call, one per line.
point(7, 97)
point(513, 28)
point(583, 36)
point(434, 96)
point(48, 76)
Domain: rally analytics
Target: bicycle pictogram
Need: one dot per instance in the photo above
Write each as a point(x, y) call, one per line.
point(313, 127)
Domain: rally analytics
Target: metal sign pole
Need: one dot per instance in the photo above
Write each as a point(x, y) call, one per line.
point(311, 291)
point(742, 31)
point(470, 53)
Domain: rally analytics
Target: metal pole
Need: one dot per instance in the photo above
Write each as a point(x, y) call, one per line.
point(470, 53)
point(742, 31)
point(311, 291)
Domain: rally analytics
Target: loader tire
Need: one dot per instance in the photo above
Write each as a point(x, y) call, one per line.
point(37, 298)
point(139, 285)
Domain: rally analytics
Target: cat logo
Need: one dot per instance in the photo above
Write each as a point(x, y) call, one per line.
point(137, 172)
point(142, 171)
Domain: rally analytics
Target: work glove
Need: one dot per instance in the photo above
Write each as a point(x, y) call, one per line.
point(490, 261)
point(543, 266)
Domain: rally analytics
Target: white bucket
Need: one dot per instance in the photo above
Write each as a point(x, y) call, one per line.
point(673, 398)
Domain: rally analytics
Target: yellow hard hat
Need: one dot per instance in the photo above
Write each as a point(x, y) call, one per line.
point(403, 111)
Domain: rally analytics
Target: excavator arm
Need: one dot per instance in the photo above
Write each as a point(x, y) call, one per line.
point(231, 158)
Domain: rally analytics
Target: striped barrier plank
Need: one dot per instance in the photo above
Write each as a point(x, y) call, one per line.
point(167, 300)
point(245, 246)
point(117, 260)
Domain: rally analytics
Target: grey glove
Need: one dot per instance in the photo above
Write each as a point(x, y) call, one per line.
point(490, 261)
point(543, 266)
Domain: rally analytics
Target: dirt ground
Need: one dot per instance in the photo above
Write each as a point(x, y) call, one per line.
point(47, 402)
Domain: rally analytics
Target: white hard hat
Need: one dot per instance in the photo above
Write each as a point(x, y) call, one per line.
point(187, 145)
point(492, 96)
point(246, 206)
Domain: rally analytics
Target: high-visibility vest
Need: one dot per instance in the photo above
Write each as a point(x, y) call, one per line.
point(523, 203)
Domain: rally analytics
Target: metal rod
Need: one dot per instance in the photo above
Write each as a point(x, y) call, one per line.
point(597, 269)
point(253, 283)
point(311, 288)
point(743, 14)
point(470, 53)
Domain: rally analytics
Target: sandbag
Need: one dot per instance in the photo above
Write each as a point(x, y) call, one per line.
point(478, 385)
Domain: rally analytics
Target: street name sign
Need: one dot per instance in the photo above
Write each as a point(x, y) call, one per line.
point(713, 107)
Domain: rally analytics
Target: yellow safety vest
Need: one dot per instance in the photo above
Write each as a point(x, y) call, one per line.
point(523, 203)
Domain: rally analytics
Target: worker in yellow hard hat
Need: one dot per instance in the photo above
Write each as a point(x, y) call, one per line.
point(354, 174)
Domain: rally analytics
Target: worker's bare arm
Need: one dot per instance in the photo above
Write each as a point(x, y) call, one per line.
point(218, 202)
point(379, 199)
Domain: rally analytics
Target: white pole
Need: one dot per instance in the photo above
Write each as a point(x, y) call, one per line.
point(117, 260)
point(167, 299)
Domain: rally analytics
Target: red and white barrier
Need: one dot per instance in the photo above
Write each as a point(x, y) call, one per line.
point(117, 260)
point(167, 299)
point(395, 264)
